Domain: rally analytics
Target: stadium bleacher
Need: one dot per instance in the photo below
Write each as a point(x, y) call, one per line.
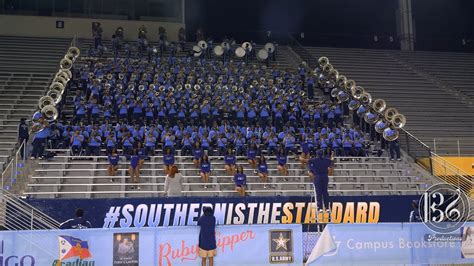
point(437, 112)
point(67, 176)
point(26, 71)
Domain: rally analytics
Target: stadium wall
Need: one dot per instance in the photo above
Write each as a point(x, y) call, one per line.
point(35, 26)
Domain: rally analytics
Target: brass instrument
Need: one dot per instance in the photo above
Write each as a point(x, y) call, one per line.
point(49, 112)
point(141, 87)
point(390, 113)
point(398, 121)
point(121, 76)
point(379, 105)
point(74, 51)
point(109, 76)
point(334, 92)
point(353, 105)
point(65, 63)
point(342, 96)
point(357, 92)
point(381, 125)
point(57, 86)
point(55, 95)
point(390, 134)
point(323, 61)
point(197, 87)
point(349, 85)
point(366, 98)
point(45, 101)
point(187, 86)
point(341, 81)
point(371, 117)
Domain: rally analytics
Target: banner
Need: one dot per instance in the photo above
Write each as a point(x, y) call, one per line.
point(391, 243)
point(153, 212)
point(236, 245)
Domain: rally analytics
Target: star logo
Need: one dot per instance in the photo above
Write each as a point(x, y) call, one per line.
point(281, 242)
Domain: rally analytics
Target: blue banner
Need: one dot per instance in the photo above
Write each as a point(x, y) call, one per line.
point(236, 245)
point(153, 212)
point(391, 243)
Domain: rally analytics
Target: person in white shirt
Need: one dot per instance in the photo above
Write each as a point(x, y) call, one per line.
point(174, 183)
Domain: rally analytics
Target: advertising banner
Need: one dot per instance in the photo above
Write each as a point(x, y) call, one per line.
point(392, 243)
point(153, 212)
point(236, 245)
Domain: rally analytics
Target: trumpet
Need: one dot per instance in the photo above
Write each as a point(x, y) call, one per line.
point(109, 76)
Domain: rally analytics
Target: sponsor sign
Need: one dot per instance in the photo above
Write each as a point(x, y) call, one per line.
point(153, 212)
point(400, 244)
point(236, 245)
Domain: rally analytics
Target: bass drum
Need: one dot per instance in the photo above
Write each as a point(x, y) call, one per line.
point(240, 52)
point(262, 55)
point(218, 50)
point(197, 51)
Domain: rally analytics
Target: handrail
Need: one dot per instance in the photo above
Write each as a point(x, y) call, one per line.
point(16, 214)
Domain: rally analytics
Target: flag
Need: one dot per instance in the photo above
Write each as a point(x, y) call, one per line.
point(70, 247)
point(324, 245)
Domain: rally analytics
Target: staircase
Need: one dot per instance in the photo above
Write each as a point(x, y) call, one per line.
point(28, 65)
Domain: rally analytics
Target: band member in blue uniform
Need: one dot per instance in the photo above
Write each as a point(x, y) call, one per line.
point(240, 181)
point(319, 169)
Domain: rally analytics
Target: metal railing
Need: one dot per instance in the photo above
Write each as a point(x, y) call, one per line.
point(15, 173)
point(435, 164)
point(16, 214)
point(454, 146)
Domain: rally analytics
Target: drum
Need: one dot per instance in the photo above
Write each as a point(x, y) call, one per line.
point(197, 51)
point(262, 55)
point(218, 50)
point(202, 45)
point(240, 52)
point(270, 47)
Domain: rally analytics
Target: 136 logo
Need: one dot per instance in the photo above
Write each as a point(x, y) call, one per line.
point(444, 208)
